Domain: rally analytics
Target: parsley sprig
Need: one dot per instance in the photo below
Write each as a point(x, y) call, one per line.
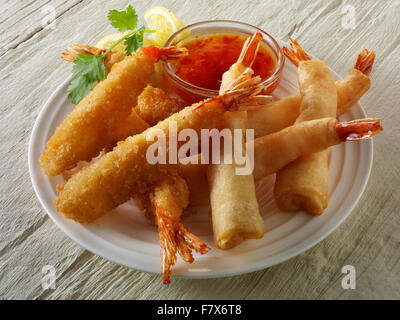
point(88, 69)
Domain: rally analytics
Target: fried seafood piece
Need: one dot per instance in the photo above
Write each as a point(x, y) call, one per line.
point(93, 124)
point(235, 214)
point(164, 205)
point(118, 175)
point(282, 113)
point(276, 150)
point(303, 184)
point(129, 126)
point(155, 105)
point(234, 207)
point(194, 173)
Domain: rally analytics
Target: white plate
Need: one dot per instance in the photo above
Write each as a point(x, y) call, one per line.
point(124, 236)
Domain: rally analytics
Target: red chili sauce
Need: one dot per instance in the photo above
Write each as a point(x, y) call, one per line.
point(210, 56)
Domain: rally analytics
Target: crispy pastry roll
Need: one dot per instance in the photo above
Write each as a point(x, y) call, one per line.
point(303, 184)
point(234, 207)
point(276, 150)
point(235, 214)
point(282, 113)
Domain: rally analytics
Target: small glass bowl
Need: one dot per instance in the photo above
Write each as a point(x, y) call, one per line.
point(191, 93)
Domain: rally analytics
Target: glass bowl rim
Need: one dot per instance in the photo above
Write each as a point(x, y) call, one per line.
point(270, 80)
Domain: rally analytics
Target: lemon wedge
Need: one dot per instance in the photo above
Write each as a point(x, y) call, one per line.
point(109, 40)
point(164, 22)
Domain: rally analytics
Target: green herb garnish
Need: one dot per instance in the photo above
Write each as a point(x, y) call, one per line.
point(89, 68)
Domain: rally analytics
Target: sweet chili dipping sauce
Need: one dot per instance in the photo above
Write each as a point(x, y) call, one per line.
point(211, 55)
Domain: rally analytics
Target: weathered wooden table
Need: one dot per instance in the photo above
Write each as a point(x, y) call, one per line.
point(333, 30)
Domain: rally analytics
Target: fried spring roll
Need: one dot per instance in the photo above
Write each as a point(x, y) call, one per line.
point(303, 184)
point(275, 151)
point(235, 213)
point(280, 114)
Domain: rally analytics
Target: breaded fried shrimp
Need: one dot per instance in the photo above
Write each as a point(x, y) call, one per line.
point(125, 171)
point(155, 105)
point(92, 124)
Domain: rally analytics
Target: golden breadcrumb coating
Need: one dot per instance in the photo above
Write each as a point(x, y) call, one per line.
point(155, 105)
point(172, 193)
point(92, 124)
point(125, 171)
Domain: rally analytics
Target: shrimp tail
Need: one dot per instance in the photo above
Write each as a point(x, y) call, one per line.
point(183, 248)
point(246, 94)
point(169, 198)
point(167, 243)
point(358, 129)
point(239, 82)
point(240, 73)
point(243, 93)
point(193, 241)
point(365, 61)
point(73, 52)
point(167, 53)
point(250, 50)
point(254, 99)
point(174, 237)
point(296, 54)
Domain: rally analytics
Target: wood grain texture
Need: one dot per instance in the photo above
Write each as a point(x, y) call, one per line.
point(30, 70)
